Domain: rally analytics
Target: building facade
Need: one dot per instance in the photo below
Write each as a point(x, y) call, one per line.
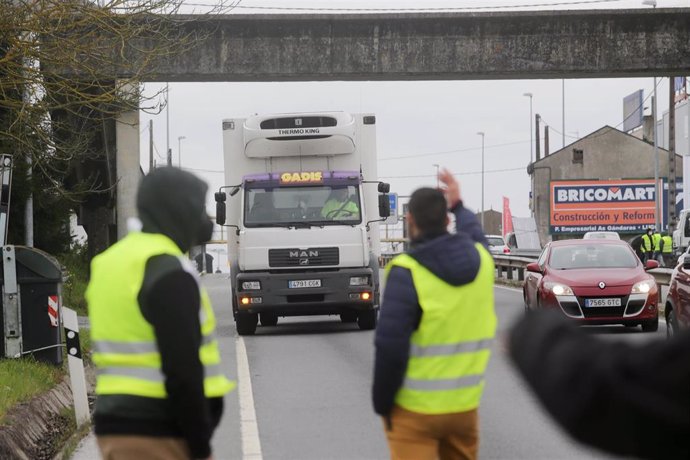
point(604, 181)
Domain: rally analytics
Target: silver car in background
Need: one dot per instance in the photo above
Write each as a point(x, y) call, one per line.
point(497, 245)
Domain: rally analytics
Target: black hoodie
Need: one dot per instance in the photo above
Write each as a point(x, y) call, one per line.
point(170, 202)
point(454, 259)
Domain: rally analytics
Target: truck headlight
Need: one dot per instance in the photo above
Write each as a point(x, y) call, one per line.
point(558, 288)
point(359, 281)
point(642, 287)
point(251, 285)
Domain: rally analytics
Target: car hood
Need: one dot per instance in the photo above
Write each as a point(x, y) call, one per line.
point(586, 277)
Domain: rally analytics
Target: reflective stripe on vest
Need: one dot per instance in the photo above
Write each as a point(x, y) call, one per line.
point(450, 349)
point(124, 343)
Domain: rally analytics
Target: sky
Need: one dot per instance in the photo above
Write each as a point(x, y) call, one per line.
point(419, 124)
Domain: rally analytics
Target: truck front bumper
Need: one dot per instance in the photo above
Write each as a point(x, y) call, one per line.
point(334, 296)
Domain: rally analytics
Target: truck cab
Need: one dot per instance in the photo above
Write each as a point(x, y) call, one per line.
point(304, 202)
point(681, 236)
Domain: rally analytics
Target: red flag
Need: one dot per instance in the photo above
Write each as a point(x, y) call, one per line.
point(507, 223)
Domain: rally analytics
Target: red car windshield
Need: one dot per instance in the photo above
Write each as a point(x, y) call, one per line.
point(592, 256)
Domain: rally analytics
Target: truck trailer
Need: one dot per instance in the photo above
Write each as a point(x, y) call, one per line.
point(303, 200)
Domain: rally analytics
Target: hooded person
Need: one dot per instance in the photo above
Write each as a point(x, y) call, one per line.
point(159, 382)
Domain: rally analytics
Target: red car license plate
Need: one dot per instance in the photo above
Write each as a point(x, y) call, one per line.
point(602, 302)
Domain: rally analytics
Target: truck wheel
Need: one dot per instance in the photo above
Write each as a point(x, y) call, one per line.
point(348, 317)
point(651, 325)
point(268, 319)
point(246, 323)
point(366, 320)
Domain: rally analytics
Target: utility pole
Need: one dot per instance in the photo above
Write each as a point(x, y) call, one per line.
point(657, 208)
point(482, 134)
point(167, 124)
point(151, 165)
point(671, 154)
point(563, 113)
point(546, 141)
point(537, 118)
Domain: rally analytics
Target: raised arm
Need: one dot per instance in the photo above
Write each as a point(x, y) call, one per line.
point(465, 220)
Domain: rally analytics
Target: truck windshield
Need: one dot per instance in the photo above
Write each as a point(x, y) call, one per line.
point(298, 206)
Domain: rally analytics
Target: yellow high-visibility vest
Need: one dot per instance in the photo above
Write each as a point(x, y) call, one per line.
point(668, 244)
point(647, 243)
point(451, 348)
point(124, 343)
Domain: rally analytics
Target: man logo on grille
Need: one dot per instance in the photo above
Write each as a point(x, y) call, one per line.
point(304, 261)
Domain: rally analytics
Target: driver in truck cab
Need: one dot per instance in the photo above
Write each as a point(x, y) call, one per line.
point(339, 206)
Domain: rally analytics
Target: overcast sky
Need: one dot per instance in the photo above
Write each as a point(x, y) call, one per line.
point(419, 123)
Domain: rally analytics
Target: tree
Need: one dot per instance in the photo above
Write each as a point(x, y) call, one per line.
point(62, 63)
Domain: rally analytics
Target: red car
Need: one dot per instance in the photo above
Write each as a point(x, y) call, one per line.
point(594, 282)
point(677, 309)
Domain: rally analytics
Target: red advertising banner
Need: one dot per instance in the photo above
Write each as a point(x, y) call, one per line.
point(589, 205)
point(507, 223)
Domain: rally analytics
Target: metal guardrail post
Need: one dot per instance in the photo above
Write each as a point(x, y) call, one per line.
point(11, 303)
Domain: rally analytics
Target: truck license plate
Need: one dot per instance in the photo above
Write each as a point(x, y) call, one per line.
point(295, 284)
point(602, 302)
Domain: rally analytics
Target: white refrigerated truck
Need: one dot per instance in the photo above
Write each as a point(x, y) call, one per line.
point(304, 200)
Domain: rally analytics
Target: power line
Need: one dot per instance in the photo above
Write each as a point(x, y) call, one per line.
point(468, 149)
point(419, 176)
point(419, 9)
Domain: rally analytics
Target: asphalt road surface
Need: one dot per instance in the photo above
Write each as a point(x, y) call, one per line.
point(309, 396)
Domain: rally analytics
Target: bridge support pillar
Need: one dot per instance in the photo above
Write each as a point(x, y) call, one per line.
point(127, 164)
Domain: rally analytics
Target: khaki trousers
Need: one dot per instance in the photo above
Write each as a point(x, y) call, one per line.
point(415, 436)
point(127, 447)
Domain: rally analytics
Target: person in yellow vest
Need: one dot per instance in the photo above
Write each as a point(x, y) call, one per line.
point(160, 383)
point(648, 246)
point(666, 250)
point(436, 326)
point(656, 242)
point(339, 206)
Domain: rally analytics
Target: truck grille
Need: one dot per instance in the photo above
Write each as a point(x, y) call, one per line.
point(305, 258)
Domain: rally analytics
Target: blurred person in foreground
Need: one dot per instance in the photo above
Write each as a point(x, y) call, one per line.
point(435, 331)
point(159, 383)
point(627, 399)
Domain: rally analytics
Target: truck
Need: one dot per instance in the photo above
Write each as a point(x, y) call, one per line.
point(303, 199)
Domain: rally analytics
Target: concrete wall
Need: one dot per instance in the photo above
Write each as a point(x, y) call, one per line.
point(431, 46)
point(607, 154)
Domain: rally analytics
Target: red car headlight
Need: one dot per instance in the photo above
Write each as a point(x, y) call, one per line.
point(558, 288)
point(643, 287)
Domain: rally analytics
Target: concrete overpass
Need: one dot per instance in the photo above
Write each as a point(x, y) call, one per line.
point(438, 46)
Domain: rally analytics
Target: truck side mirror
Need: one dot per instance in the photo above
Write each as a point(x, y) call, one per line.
point(384, 187)
point(220, 208)
point(384, 205)
point(234, 191)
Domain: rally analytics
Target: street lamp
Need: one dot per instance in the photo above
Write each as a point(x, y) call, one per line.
point(437, 183)
point(531, 131)
point(480, 133)
point(179, 150)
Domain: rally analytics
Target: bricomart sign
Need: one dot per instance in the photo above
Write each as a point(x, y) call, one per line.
point(625, 206)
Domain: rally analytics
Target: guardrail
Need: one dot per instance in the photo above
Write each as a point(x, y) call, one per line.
point(514, 267)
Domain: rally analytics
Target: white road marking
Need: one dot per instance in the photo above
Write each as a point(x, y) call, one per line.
point(249, 428)
point(507, 288)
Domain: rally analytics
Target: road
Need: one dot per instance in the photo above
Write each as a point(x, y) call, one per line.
point(310, 392)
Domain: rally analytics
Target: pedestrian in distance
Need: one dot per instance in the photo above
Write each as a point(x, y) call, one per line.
point(159, 382)
point(648, 244)
point(657, 243)
point(435, 330)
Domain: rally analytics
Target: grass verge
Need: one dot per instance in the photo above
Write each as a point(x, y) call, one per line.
point(22, 379)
